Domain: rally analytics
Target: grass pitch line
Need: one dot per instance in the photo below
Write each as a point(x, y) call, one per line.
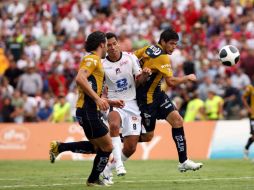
point(33, 185)
point(130, 181)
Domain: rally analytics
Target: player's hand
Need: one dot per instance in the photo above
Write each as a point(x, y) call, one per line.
point(102, 103)
point(251, 111)
point(146, 71)
point(117, 103)
point(191, 77)
point(105, 92)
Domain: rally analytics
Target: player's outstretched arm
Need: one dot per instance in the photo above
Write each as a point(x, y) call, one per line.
point(174, 81)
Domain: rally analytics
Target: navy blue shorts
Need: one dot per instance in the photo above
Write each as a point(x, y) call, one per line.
point(92, 124)
point(159, 109)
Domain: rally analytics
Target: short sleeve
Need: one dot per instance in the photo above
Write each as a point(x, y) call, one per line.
point(136, 69)
point(140, 52)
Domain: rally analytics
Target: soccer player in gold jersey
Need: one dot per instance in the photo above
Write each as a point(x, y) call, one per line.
point(154, 103)
point(249, 93)
point(90, 79)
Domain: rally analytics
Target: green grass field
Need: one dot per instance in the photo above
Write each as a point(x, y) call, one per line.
point(143, 175)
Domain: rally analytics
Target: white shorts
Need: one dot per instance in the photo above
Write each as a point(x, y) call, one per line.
point(131, 119)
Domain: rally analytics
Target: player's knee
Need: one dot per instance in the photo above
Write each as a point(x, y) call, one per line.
point(129, 150)
point(114, 129)
point(177, 122)
point(146, 137)
point(107, 147)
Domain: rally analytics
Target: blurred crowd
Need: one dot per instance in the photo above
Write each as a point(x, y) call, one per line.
point(42, 44)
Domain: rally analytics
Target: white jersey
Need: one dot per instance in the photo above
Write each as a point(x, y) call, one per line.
point(119, 76)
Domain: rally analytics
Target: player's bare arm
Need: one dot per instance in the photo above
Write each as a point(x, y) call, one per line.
point(116, 103)
point(142, 77)
point(174, 81)
point(246, 105)
point(82, 81)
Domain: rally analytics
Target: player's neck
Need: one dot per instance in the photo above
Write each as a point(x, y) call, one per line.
point(115, 57)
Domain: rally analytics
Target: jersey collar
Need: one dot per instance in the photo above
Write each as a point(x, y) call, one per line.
point(121, 54)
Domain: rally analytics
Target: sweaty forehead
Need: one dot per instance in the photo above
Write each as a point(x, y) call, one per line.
point(111, 40)
point(172, 42)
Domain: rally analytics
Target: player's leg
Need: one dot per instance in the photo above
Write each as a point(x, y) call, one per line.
point(131, 130)
point(84, 147)
point(105, 148)
point(129, 146)
point(114, 120)
point(168, 111)
point(250, 140)
point(148, 117)
point(176, 121)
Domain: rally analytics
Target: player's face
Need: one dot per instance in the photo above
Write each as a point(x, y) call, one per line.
point(169, 46)
point(113, 48)
point(104, 50)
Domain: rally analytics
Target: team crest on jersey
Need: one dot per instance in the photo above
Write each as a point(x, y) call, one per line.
point(154, 51)
point(118, 70)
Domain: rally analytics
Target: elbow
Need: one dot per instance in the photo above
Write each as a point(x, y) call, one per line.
point(171, 83)
point(78, 79)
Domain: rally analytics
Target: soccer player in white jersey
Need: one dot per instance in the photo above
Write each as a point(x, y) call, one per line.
point(121, 71)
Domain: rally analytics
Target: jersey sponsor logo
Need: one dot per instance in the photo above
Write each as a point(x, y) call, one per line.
point(165, 66)
point(123, 62)
point(122, 85)
point(153, 51)
point(147, 115)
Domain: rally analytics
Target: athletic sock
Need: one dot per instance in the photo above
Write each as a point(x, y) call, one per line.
point(179, 138)
point(123, 157)
point(84, 147)
point(117, 144)
point(249, 142)
point(100, 162)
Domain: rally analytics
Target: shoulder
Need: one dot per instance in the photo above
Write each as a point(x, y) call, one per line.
point(129, 55)
point(91, 59)
point(154, 51)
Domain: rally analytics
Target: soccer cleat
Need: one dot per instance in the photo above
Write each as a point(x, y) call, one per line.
point(189, 165)
point(245, 154)
point(120, 171)
point(107, 179)
point(97, 183)
point(53, 152)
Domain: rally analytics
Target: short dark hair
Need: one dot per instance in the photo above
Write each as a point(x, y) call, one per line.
point(110, 35)
point(94, 40)
point(168, 34)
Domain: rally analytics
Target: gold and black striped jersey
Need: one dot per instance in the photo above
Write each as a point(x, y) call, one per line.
point(249, 93)
point(91, 63)
point(158, 61)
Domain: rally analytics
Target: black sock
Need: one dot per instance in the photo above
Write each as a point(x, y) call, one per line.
point(84, 147)
point(99, 163)
point(179, 138)
point(249, 142)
